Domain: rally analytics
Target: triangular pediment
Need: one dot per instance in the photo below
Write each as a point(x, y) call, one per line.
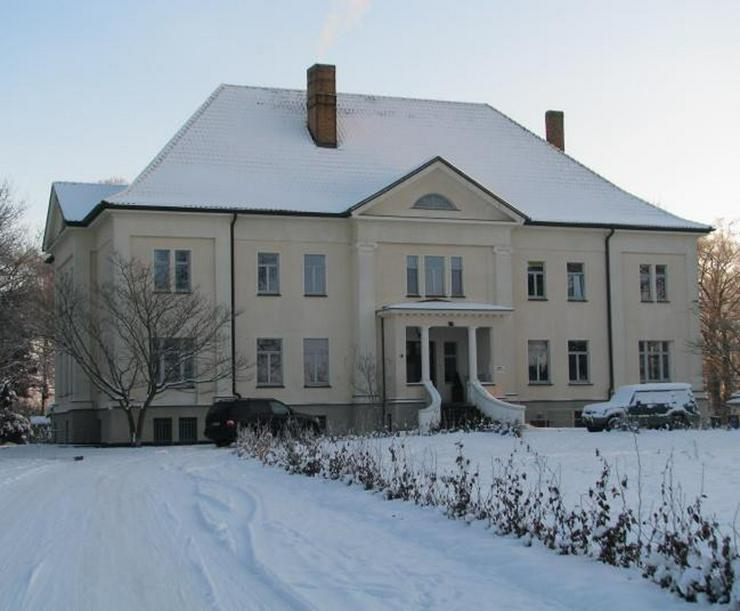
point(438, 190)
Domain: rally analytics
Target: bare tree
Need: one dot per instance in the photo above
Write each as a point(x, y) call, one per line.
point(134, 343)
point(719, 313)
point(19, 265)
point(368, 382)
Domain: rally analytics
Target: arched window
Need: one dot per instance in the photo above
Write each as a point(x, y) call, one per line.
point(434, 201)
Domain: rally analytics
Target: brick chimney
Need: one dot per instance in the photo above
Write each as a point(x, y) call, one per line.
point(555, 129)
point(321, 103)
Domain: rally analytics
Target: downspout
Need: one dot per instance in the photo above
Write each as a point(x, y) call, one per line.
point(233, 308)
point(382, 369)
point(610, 339)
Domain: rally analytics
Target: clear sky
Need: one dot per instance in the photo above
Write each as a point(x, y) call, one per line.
point(650, 89)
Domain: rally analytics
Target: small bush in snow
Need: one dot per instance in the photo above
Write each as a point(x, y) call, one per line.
point(678, 547)
point(14, 427)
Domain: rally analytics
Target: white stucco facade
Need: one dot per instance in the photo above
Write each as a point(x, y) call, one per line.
point(365, 256)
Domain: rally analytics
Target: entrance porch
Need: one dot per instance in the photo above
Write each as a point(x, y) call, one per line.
point(440, 352)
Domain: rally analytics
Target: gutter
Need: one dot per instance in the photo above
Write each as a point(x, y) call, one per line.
point(233, 307)
point(610, 339)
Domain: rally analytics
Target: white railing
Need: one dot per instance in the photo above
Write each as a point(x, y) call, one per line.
point(431, 415)
point(494, 408)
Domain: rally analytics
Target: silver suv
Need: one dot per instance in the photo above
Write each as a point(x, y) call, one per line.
point(648, 405)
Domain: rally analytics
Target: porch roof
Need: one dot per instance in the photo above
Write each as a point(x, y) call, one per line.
point(440, 306)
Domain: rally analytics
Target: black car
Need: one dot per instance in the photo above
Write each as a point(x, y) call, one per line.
point(225, 417)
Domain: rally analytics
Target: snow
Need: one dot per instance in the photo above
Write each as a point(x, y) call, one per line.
point(703, 461)
point(249, 148)
point(199, 528)
point(77, 199)
point(437, 305)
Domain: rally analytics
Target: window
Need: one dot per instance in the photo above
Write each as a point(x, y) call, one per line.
point(278, 409)
point(653, 282)
point(536, 280)
point(316, 362)
point(163, 273)
point(268, 273)
point(661, 290)
point(576, 282)
point(182, 271)
point(187, 429)
point(654, 361)
point(578, 361)
point(174, 358)
point(269, 362)
point(314, 274)
point(413, 355)
point(539, 361)
point(434, 271)
point(434, 201)
point(646, 282)
point(456, 267)
point(412, 275)
point(161, 270)
point(162, 430)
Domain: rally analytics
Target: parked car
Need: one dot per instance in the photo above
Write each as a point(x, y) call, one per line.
point(225, 417)
point(648, 405)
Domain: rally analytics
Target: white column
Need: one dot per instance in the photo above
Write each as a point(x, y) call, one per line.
point(425, 374)
point(472, 354)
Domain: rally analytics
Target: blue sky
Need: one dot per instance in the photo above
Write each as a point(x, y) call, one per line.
point(650, 90)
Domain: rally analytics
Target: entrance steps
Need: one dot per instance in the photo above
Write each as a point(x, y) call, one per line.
point(456, 415)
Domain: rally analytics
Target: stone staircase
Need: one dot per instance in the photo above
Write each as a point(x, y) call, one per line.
point(456, 415)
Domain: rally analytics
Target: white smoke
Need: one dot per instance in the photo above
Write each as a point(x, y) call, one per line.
point(342, 17)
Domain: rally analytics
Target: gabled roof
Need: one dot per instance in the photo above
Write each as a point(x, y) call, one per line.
point(76, 199)
point(71, 202)
point(248, 148)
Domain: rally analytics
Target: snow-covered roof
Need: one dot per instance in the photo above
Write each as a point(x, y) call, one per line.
point(248, 148)
point(77, 199)
point(440, 305)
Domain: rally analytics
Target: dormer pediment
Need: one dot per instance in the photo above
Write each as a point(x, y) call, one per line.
point(438, 190)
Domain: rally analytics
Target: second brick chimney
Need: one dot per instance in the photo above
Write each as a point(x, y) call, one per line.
point(321, 103)
point(555, 128)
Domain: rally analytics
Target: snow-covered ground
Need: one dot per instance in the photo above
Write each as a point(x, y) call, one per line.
point(704, 462)
point(199, 528)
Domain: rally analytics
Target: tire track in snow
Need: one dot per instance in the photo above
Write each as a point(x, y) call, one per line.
point(228, 513)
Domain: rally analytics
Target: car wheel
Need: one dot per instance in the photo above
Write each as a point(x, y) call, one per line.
point(679, 421)
point(615, 423)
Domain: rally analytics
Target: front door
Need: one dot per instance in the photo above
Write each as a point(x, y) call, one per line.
point(450, 387)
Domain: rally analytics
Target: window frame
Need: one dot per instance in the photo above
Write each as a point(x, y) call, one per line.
point(579, 355)
point(443, 276)
point(172, 267)
point(548, 363)
point(663, 355)
point(658, 291)
point(542, 273)
point(268, 291)
point(161, 352)
point(189, 267)
point(416, 276)
point(270, 383)
point(307, 381)
point(306, 291)
point(156, 274)
point(461, 270)
point(580, 274)
point(664, 273)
